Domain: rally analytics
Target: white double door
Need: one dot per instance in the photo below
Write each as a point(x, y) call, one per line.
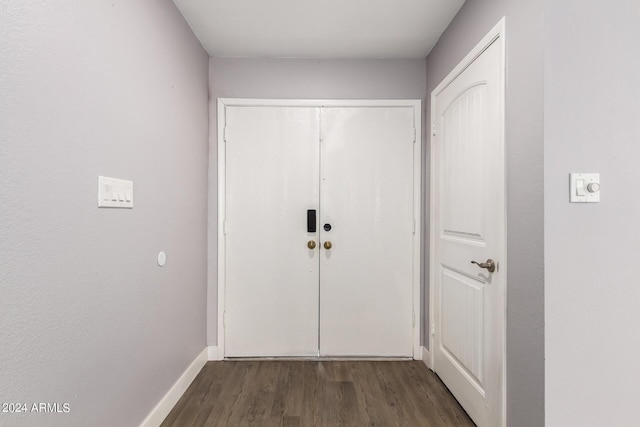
point(339, 284)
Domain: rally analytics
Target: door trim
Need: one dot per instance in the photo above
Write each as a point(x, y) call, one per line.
point(417, 194)
point(496, 35)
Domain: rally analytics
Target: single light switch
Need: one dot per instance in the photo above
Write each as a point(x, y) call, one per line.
point(584, 187)
point(580, 187)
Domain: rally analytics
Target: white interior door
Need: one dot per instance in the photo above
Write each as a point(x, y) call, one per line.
point(271, 292)
point(468, 175)
point(367, 199)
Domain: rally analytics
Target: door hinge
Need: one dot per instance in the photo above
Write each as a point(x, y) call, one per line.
point(224, 227)
point(224, 134)
point(224, 318)
point(414, 226)
point(433, 327)
point(413, 318)
point(433, 130)
point(414, 135)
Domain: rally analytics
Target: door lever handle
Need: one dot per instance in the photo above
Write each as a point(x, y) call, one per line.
point(489, 265)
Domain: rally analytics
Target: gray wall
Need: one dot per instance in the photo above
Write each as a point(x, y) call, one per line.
point(88, 88)
point(592, 251)
point(524, 139)
point(297, 79)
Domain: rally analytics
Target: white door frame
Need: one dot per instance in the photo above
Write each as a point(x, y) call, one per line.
point(417, 192)
point(496, 35)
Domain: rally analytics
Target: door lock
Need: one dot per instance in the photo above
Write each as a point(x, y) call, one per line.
point(311, 220)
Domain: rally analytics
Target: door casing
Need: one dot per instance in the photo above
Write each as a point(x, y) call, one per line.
point(417, 194)
point(495, 35)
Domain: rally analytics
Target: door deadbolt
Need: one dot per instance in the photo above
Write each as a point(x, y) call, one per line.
point(311, 244)
point(327, 227)
point(327, 245)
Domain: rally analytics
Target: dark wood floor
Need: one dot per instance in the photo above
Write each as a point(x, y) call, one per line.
point(317, 393)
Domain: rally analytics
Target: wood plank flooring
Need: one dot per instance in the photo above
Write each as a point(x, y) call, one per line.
point(316, 393)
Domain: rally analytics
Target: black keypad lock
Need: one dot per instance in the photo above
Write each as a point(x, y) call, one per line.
point(311, 221)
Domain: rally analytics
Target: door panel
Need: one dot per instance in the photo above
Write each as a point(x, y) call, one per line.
point(367, 198)
point(462, 200)
point(272, 174)
point(462, 338)
point(469, 225)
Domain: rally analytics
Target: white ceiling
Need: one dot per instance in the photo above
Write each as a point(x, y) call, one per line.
point(319, 28)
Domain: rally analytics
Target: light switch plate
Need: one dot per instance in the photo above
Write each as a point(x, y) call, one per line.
point(115, 193)
point(584, 187)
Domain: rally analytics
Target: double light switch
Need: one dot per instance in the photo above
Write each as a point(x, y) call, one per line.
point(114, 193)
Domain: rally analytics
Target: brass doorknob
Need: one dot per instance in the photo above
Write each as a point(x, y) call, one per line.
point(489, 265)
point(311, 244)
point(327, 245)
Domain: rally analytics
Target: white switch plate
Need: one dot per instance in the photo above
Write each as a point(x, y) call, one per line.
point(581, 191)
point(115, 193)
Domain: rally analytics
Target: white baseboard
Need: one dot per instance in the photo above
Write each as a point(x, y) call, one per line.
point(213, 353)
point(166, 404)
point(426, 357)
